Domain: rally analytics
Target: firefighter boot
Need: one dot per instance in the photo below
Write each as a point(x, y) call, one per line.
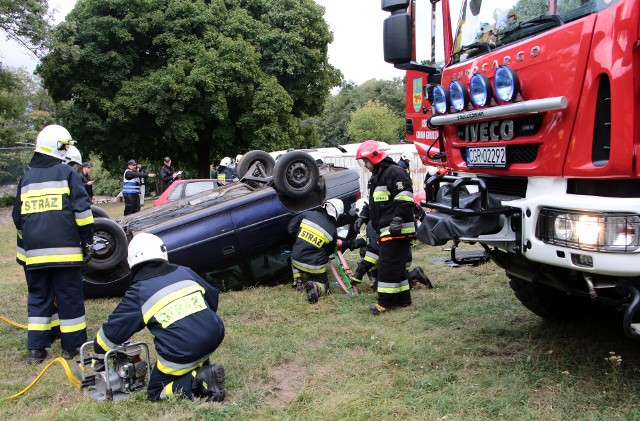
point(69, 354)
point(36, 356)
point(417, 275)
point(314, 291)
point(209, 383)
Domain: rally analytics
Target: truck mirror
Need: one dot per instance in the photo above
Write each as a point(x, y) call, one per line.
point(397, 37)
point(393, 5)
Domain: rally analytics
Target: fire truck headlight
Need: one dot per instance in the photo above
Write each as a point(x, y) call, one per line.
point(459, 95)
point(603, 232)
point(440, 99)
point(563, 227)
point(481, 90)
point(506, 84)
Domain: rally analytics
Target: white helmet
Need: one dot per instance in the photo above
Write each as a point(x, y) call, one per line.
point(225, 162)
point(407, 156)
point(145, 247)
point(358, 207)
point(238, 157)
point(73, 156)
point(54, 141)
point(334, 208)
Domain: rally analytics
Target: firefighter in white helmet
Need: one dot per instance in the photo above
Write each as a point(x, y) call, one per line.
point(73, 158)
point(405, 161)
point(55, 232)
point(179, 309)
point(224, 174)
point(316, 236)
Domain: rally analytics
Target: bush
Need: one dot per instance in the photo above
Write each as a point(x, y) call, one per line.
point(7, 201)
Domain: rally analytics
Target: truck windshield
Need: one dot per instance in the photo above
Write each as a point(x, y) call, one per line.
point(490, 24)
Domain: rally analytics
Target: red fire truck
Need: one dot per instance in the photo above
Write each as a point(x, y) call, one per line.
point(534, 119)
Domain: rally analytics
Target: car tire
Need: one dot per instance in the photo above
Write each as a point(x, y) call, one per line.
point(98, 212)
point(296, 174)
point(264, 170)
point(109, 245)
point(103, 284)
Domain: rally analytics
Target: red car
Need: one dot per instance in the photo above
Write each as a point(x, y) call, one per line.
point(180, 189)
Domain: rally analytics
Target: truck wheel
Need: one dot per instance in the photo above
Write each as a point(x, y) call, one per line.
point(110, 283)
point(98, 212)
point(547, 302)
point(264, 167)
point(109, 245)
point(296, 174)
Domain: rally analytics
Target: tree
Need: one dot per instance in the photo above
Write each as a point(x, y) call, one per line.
point(193, 79)
point(375, 121)
point(333, 124)
point(26, 22)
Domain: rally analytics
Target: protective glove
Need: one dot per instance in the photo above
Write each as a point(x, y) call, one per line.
point(359, 223)
point(345, 244)
point(395, 227)
point(87, 252)
point(355, 281)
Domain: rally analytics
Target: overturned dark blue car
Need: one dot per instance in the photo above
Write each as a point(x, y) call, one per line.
point(233, 235)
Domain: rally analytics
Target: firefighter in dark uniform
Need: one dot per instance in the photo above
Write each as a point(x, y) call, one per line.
point(224, 173)
point(179, 309)
point(370, 249)
point(391, 213)
point(55, 231)
point(316, 237)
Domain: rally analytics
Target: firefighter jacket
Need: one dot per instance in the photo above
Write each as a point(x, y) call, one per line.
point(177, 306)
point(391, 195)
point(52, 214)
point(224, 175)
point(316, 235)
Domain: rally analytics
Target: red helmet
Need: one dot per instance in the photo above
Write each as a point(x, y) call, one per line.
point(372, 151)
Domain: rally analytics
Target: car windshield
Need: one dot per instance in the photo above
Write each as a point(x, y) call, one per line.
point(488, 24)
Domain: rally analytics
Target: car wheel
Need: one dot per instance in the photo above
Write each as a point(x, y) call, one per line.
point(264, 167)
point(296, 174)
point(111, 283)
point(109, 245)
point(98, 212)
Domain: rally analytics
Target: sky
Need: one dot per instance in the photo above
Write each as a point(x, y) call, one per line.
point(356, 49)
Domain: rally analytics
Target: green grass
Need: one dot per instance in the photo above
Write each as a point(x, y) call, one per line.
point(466, 350)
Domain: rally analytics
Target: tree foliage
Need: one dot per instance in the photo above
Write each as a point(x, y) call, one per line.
point(375, 121)
point(333, 124)
point(26, 22)
point(193, 79)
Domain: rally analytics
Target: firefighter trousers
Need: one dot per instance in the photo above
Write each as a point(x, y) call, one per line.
point(393, 285)
point(65, 284)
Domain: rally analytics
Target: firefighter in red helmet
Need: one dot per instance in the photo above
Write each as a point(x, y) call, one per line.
point(391, 213)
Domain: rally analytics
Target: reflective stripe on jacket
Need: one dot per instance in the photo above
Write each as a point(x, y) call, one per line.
point(391, 195)
point(52, 214)
point(315, 233)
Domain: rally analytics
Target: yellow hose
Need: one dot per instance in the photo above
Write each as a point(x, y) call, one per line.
point(12, 323)
point(75, 382)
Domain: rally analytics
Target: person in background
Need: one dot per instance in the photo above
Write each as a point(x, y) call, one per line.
point(316, 238)
point(52, 214)
point(86, 179)
point(390, 211)
point(234, 166)
point(168, 174)
point(224, 174)
point(131, 187)
point(405, 162)
point(143, 183)
point(73, 158)
point(179, 309)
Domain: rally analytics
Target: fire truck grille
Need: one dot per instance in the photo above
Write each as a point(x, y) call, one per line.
point(506, 186)
point(521, 154)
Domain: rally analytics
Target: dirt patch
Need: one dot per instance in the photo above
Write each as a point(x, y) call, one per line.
point(286, 380)
point(5, 215)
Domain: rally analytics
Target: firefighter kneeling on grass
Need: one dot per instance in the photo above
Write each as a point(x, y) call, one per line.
point(316, 236)
point(179, 308)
